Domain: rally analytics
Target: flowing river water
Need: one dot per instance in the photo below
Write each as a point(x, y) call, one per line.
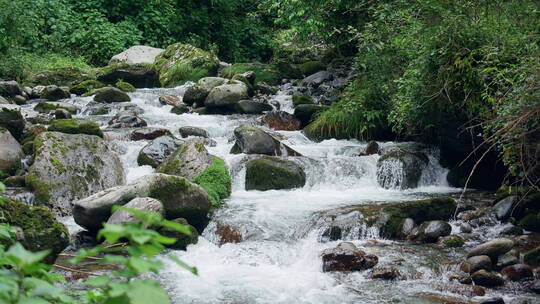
point(278, 260)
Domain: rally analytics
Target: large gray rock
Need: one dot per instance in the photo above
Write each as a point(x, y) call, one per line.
point(253, 107)
point(252, 140)
point(179, 197)
point(139, 203)
point(316, 79)
point(137, 54)
point(193, 131)
point(138, 75)
point(269, 173)
point(503, 209)
point(68, 167)
point(197, 93)
point(110, 94)
point(493, 248)
point(10, 89)
point(429, 232)
point(10, 152)
point(401, 169)
point(12, 119)
point(188, 161)
point(226, 96)
point(156, 151)
point(475, 263)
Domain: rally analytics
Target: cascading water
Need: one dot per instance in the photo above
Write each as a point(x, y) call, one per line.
point(280, 232)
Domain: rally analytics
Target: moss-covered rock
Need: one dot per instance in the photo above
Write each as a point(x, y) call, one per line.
point(50, 106)
point(188, 161)
point(531, 222)
point(68, 76)
point(111, 95)
point(54, 93)
point(453, 241)
point(263, 73)
point(196, 94)
point(11, 152)
point(71, 166)
point(124, 86)
point(12, 120)
point(156, 151)
point(180, 198)
point(182, 239)
point(40, 229)
point(180, 63)
point(226, 97)
point(253, 140)
point(301, 99)
point(216, 181)
point(140, 75)
point(269, 173)
point(86, 87)
point(311, 67)
point(28, 137)
point(532, 257)
point(75, 126)
point(306, 113)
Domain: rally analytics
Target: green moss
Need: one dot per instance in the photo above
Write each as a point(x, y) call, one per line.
point(531, 222)
point(532, 257)
point(144, 160)
point(12, 120)
point(288, 70)
point(76, 126)
point(125, 86)
point(263, 73)
point(47, 107)
point(301, 99)
point(86, 87)
point(170, 167)
point(311, 67)
point(41, 190)
point(216, 181)
point(65, 76)
point(453, 241)
point(58, 165)
point(167, 189)
point(40, 228)
point(269, 173)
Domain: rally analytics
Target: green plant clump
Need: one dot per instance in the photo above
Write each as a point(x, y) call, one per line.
point(216, 181)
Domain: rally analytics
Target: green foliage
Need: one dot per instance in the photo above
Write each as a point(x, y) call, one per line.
point(216, 181)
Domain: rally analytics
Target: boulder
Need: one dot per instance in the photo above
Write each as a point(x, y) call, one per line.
point(226, 97)
point(12, 120)
point(401, 169)
point(4, 101)
point(62, 114)
point(188, 161)
point(532, 257)
point(137, 54)
point(180, 109)
point(452, 241)
point(493, 248)
point(347, 257)
point(253, 107)
point(384, 273)
point(269, 173)
point(182, 239)
point(125, 86)
point(66, 76)
point(316, 79)
point(180, 63)
point(280, 120)
point(372, 148)
point(47, 107)
point(11, 152)
point(311, 67)
point(507, 259)
point(139, 75)
point(487, 279)
point(19, 100)
point(197, 93)
point(252, 140)
point(149, 133)
point(139, 203)
point(306, 112)
point(475, 263)
point(517, 272)
point(429, 232)
point(193, 131)
point(127, 119)
point(530, 222)
point(110, 94)
point(68, 167)
point(156, 151)
point(10, 89)
point(170, 100)
point(179, 197)
point(503, 208)
point(40, 230)
point(75, 126)
point(86, 86)
point(54, 93)
point(407, 227)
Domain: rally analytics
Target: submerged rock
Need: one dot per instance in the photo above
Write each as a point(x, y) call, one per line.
point(253, 107)
point(139, 203)
point(127, 119)
point(149, 133)
point(156, 151)
point(401, 169)
point(347, 257)
point(179, 197)
point(170, 100)
point(252, 140)
point(385, 273)
point(69, 167)
point(188, 161)
point(269, 173)
point(40, 230)
point(193, 131)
